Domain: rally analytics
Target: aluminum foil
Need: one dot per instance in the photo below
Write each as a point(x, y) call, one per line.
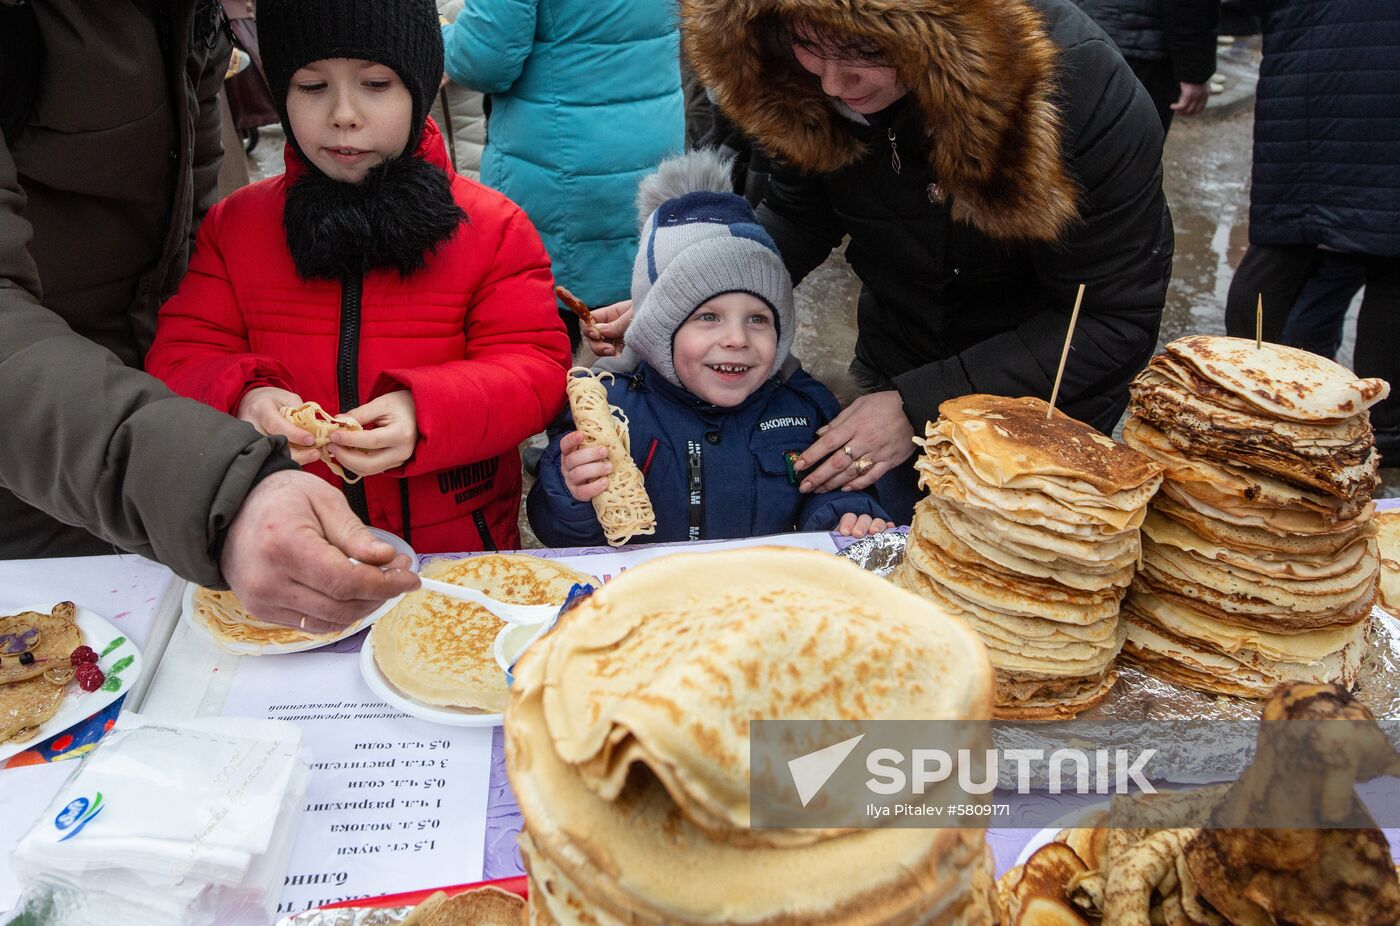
point(1199, 737)
point(879, 553)
point(349, 916)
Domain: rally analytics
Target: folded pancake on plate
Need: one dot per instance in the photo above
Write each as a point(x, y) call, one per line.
point(438, 650)
point(32, 689)
point(1030, 533)
point(228, 622)
point(1259, 558)
point(627, 746)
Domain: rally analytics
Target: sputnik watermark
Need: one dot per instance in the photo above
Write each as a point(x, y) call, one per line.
point(920, 773)
point(1114, 771)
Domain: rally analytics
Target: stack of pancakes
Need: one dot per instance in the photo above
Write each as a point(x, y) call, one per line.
point(1030, 534)
point(1259, 556)
point(438, 650)
point(627, 746)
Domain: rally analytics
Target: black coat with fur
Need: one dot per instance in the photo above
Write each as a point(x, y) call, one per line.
point(1043, 175)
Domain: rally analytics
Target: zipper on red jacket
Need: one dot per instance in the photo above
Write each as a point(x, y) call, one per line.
point(347, 374)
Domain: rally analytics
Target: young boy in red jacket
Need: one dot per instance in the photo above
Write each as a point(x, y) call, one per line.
point(374, 281)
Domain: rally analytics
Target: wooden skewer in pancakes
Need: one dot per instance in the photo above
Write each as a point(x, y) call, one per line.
point(1030, 534)
point(1259, 557)
point(624, 509)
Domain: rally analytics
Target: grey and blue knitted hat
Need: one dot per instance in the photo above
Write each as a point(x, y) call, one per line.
point(698, 241)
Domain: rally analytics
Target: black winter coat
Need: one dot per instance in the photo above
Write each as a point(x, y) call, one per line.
point(1327, 127)
point(1179, 31)
point(947, 310)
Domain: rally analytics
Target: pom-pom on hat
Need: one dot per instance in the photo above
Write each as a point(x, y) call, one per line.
point(402, 34)
point(698, 241)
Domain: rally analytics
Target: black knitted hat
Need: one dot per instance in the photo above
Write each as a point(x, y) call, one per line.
point(402, 34)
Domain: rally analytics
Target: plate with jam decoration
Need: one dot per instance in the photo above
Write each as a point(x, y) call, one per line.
point(59, 664)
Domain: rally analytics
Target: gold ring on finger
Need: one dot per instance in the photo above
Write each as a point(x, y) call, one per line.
point(849, 451)
point(863, 465)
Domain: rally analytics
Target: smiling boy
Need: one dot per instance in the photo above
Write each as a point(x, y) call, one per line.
point(713, 418)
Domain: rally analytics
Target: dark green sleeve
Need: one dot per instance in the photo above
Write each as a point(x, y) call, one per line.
point(97, 444)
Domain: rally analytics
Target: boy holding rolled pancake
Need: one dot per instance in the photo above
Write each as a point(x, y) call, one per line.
point(714, 418)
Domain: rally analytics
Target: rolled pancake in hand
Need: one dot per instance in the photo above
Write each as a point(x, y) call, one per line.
point(623, 509)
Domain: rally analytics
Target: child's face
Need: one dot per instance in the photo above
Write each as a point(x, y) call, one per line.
point(349, 115)
point(725, 349)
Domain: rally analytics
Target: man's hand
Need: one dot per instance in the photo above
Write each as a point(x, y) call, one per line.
point(872, 428)
point(262, 408)
point(585, 469)
point(389, 437)
point(612, 324)
point(1193, 99)
point(287, 557)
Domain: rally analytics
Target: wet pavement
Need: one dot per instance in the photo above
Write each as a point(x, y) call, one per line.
point(1206, 166)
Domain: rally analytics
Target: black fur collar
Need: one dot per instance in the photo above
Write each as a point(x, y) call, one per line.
point(399, 214)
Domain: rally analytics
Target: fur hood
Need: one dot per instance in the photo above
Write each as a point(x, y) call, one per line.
point(982, 72)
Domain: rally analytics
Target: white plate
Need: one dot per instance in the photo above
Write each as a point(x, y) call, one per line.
point(392, 696)
point(1047, 835)
point(113, 650)
point(278, 649)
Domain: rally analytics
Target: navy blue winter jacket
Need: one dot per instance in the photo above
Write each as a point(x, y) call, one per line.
point(744, 489)
point(1327, 127)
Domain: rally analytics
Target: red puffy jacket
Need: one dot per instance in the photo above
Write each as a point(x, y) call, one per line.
point(475, 336)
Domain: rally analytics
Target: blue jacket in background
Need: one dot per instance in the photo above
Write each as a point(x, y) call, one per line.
point(585, 101)
point(744, 486)
point(1327, 127)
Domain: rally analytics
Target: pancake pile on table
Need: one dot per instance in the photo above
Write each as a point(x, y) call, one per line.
point(627, 746)
point(1030, 534)
point(35, 668)
point(438, 651)
point(1259, 556)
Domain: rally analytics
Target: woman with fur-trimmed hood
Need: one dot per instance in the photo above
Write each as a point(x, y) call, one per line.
point(985, 158)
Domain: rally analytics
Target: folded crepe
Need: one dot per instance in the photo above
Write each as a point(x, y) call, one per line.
point(666, 665)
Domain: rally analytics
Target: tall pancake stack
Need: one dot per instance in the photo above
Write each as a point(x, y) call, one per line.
point(1259, 556)
point(627, 746)
point(1030, 534)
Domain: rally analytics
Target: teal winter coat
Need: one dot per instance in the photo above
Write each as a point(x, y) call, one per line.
point(585, 101)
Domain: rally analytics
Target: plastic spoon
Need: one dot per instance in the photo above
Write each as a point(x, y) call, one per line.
point(510, 613)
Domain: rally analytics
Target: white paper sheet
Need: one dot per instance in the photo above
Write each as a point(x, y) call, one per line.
point(124, 589)
point(24, 792)
point(395, 804)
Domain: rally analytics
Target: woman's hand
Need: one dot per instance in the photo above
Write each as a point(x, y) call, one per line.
point(389, 437)
point(853, 525)
point(612, 325)
point(585, 469)
point(262, 408)
point(874, 429)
